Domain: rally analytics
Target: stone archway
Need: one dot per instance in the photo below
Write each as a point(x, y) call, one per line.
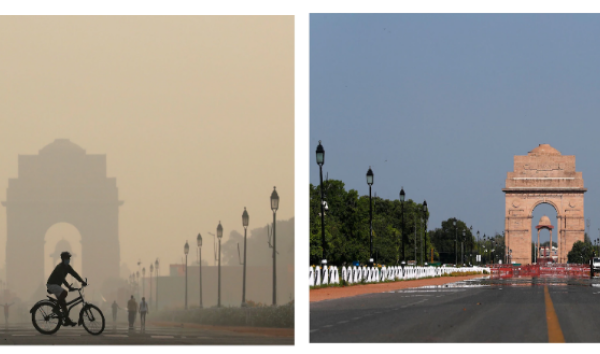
point(61, 184)
point(543, 176)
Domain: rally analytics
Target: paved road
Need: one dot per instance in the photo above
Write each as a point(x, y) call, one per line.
point(483, 310)
point(24, 333)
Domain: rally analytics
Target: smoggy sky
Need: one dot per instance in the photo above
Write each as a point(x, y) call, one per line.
point(194, 114)
point(440, 103)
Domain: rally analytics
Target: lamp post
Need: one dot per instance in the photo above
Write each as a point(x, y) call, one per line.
point(137, 282)
point(424, 232)
point(370, 183)
point(462, 247)
point(470, 244)
point(156, 266)
point(485, 248)
point(402, 196)
point(479, 251)
point(144, 282)
point(455, 243)
point(151, 270)
point(199, 239)
point(321, 162)
point(219, 236)
point(186, 250)
point(274, 207)
point(245, 220)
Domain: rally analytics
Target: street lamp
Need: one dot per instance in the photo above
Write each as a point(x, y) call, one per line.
point(151, 270)
point(199, 239)
point(485, 248)
point(156, 266)
point(462, 247)
point(402, 196)
point(245, 220)
point(219, 236)
point(370, 183)
point(274, 207)
point(424, 232)
point(186, 250)
point(455, 242)
point(321, 162)
point(144, 282)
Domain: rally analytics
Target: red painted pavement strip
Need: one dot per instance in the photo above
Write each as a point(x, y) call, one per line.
point(263, 331)
point(354, 290)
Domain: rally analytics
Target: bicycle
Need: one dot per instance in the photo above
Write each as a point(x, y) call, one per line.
point(47, 317)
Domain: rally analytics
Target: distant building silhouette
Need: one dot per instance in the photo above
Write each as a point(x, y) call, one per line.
point(61, 184)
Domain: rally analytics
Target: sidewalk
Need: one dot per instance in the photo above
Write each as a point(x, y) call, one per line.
point(354, 290)
point(262, 331)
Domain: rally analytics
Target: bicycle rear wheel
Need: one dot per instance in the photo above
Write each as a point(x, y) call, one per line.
point(45, 318)
point(93, 319)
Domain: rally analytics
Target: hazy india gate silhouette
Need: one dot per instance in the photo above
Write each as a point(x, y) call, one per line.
point(61, 184)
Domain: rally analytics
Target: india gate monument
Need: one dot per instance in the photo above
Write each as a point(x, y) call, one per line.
point(543, 176)
point(61, 184)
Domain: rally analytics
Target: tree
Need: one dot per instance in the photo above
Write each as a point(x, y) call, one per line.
point(581, 252)
point(347, 227)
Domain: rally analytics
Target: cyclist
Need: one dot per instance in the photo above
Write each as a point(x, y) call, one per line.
point(57, 278)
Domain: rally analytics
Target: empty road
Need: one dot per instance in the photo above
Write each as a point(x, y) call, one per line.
point(483, 310)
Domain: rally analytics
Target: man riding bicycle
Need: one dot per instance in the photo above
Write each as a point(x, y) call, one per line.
point(57, 278)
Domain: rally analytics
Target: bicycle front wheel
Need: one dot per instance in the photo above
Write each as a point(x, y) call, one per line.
point(93, 319)
point(45, 318)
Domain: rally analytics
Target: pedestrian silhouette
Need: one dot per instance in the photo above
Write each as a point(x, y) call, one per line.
point(6, 307)
point(115, 307)
point(143, 311)
point(132, 308)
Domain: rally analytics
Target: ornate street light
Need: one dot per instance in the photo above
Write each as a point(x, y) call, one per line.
point(274, 207)
point(219, 236)
point(144, 282)
point(370, 183)
point(455, 243)
point(425, 231)
point(186, 250)
point(151, 281)
point(199, 239)
point(245, 221)
point(156, 266)
point(462, 244)
point(321, 162)
point(402, 197)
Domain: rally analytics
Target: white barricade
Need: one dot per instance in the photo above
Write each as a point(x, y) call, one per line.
point(353, 274)
point(318, 275)
point(334, 278)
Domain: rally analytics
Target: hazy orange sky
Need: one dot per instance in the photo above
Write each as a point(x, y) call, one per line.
point(194, 114)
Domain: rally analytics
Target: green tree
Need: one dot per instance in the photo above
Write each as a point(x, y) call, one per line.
point(581, 252)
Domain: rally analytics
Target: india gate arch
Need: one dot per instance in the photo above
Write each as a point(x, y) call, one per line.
point(543, 176)
point(61, 184)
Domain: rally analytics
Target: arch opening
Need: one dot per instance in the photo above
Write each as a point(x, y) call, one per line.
point(58, 238)
point(548, 210)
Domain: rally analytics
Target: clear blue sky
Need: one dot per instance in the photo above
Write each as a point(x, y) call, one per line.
point(440, 103)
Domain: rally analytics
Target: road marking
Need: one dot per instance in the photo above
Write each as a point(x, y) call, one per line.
point(117, 335)
point(313, 330)
point(555, 334)
point(162, 337)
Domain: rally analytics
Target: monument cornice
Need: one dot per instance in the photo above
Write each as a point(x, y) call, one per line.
point(562, 190)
